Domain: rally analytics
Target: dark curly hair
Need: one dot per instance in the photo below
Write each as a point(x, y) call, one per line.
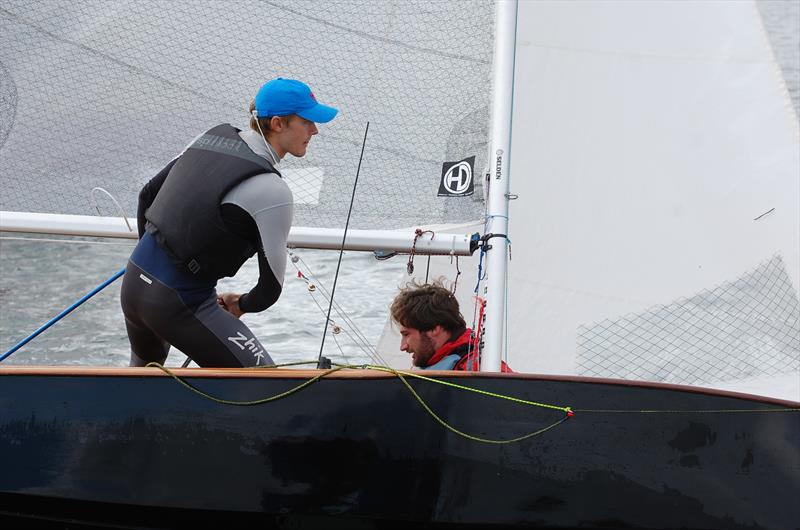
point(423, 307)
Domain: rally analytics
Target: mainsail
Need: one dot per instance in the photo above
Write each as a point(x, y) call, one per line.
point(105, 95)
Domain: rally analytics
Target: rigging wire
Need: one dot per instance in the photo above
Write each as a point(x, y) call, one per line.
point(327, 295)
point(341, 250)
point(351, 329)
point(359, 340)
point(341, 351)
point(346, 318)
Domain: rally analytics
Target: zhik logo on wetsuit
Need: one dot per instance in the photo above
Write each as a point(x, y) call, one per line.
point(457, 178)
point(243, 342)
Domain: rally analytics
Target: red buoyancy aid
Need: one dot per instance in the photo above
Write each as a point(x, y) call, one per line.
point(467, 347)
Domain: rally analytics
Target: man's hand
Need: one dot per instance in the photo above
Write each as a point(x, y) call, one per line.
point(230, 303)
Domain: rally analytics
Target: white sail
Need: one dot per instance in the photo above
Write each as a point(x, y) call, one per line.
point(107, 94)
point(655, 153)
point(657, 231)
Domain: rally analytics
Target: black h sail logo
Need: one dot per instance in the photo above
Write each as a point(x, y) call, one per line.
point(457, 178)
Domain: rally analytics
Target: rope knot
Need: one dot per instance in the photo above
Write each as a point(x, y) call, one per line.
point(417, 234)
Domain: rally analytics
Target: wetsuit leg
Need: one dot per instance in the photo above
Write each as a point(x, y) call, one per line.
point(146, 346)
point(235, 338)
point(207, 333)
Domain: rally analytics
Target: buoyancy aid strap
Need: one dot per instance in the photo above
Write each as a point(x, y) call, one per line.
point(449, 348)
point(232, 147)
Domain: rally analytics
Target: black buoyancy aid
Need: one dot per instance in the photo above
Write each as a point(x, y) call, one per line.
point(185, 217)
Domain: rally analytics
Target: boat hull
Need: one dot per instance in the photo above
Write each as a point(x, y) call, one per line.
point(358, 448)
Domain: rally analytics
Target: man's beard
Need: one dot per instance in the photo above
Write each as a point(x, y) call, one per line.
point(424, 352)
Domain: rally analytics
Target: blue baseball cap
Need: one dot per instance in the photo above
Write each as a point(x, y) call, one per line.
point(281, 97)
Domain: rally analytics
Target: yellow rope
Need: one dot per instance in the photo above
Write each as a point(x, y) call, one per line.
point(246, 403)
point(469, 389)
point(570, 409)
point(402, 376)
point(385, 369)
point(469, 436)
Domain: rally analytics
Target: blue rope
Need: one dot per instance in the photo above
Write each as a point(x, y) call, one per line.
point(63, 314)
point(480, 270)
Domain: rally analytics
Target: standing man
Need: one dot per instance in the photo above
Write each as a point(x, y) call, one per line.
point(201, 217)
point(433, 330)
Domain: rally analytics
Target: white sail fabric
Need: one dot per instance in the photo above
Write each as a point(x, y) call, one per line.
point(106, 93)
point(657, 234)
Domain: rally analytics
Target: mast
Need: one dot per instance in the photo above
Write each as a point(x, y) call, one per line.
point(497, 216)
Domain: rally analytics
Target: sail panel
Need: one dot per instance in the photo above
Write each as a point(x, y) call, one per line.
point(106, 93)
point(655, 153)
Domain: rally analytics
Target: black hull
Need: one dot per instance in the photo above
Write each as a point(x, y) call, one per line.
point(135, 448)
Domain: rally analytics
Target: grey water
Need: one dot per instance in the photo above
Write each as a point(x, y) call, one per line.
point(40, 278)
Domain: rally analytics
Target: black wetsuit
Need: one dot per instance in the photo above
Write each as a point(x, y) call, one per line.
point(167, 300)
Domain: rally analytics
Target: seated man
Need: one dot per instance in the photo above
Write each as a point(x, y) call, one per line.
point(433, 330)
